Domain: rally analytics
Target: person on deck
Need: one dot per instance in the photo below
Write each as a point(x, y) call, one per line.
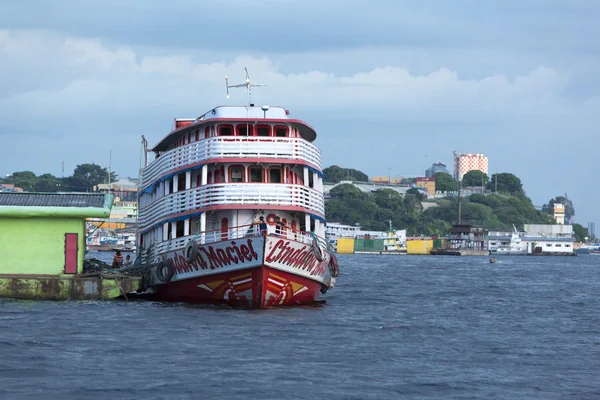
point(278, 226)
point(127, 260)
point(117, 260)
point(262, 226)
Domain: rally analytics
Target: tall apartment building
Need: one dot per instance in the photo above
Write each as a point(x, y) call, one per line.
point(465, 162)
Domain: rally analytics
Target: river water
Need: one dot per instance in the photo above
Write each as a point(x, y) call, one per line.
point(405, 327)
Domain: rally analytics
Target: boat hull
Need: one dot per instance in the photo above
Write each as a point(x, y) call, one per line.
point(255, 272)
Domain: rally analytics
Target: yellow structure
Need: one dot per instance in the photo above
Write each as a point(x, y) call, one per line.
point(419, 246)
point(380, 179)
point(559, 213)
point(345, 246)
point(428, 184)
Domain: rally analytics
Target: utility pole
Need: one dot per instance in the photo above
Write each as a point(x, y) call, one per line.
point(459, 205)
point(496, 182)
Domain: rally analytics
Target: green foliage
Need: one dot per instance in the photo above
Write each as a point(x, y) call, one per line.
point(335, 174)
point(23, 179)
point(475, 178)
point(414, 191)
point(506, 183)
point(84, 178)
point(445, 182)
point(569, 209)
point(580, 232)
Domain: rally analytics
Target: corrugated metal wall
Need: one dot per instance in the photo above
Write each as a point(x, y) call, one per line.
point(368, 245)
point(345, 246)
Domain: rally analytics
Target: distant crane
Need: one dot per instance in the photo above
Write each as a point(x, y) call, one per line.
point(248, 85)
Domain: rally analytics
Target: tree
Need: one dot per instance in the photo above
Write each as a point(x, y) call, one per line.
point(569, 209)
point(414, 191)
point(23, 179)
point(580, 232)
point(335, 174)
point(506, 183)
point(388, 199)
point(345, 191)
point(475, 178)
point(86, 176)
point(445, 182)
point(49, 183)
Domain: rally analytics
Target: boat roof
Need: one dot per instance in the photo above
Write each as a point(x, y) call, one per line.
point(250, 114)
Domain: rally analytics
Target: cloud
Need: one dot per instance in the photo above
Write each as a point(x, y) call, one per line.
point(61, 75)
point(81, 97)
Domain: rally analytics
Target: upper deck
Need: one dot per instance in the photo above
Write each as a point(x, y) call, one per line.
point(252, 116)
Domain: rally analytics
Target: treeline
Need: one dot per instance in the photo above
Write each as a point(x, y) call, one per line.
point(506, 206)
point(84, 178)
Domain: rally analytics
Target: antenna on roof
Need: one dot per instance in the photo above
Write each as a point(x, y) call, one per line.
point(248, 85)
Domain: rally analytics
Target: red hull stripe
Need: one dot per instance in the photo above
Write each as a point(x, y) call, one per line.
point(256, 287)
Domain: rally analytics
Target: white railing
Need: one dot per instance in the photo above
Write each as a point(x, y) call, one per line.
point(232, 147)
point(259, 194)
point(214, 236)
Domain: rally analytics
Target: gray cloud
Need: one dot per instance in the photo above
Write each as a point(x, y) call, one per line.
point(405, 83)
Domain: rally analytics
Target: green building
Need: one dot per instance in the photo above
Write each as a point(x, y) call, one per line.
point(42, 246)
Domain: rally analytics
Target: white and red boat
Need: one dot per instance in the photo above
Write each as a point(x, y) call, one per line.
point(231, 210)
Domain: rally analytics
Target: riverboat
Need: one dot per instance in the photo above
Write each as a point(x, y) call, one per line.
point(231, 210)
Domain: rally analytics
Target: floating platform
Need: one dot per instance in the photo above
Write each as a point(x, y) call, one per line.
point(98, 286)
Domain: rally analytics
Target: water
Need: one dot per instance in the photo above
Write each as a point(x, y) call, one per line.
point(394, 327)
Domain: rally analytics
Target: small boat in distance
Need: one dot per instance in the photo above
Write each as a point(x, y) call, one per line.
point(231, 210)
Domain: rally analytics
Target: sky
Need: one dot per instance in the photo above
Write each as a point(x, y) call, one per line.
point(391, 86)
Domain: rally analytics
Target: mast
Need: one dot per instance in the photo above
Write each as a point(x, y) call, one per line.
point(248, 85)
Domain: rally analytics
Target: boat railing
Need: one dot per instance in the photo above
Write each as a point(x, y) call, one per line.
point(218, 235)
point(255, 194)
point(230, 147)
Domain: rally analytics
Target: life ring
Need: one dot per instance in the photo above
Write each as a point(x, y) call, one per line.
point(271, 219)
point(334, 268)
point(191, 251)
point(164, 271)
point(316, 249)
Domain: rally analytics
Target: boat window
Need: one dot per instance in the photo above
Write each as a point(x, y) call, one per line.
point(559, 245)
point(181, 182)
point(281, 131)
point(236, 174)
point(207, 132)
point(263, 130)
point(256, 174)
point(180, 229)
point(197, 135)
point(244, 130)
point(275, 175)
point(225, 130)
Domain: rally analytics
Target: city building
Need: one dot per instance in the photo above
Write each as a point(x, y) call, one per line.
point(380, 179)
point(464, 163)
point(435, 168)
point(549, 239)
point(592, 229)
point(559, 213)
point(428, 184)
point(42, 243)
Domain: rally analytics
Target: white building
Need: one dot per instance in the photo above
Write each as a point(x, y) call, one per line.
point(549, 239)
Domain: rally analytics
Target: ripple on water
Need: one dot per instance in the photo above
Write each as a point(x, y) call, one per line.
point(393, 327)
